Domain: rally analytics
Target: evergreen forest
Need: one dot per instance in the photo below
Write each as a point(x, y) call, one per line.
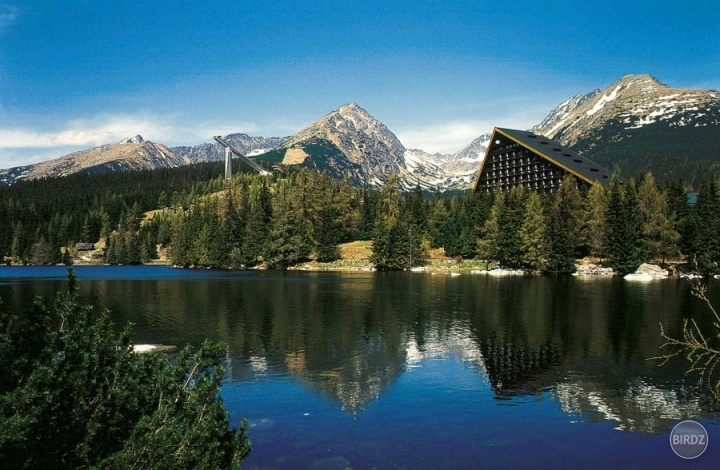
point(195, 218)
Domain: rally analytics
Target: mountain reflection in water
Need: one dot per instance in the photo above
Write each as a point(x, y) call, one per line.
point(351, 336)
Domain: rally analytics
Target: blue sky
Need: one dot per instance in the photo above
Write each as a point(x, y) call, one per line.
point(80, 73)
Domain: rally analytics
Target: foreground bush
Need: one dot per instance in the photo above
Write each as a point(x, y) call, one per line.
point(74, 394)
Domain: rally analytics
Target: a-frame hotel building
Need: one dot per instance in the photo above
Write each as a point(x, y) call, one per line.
point(521, 158)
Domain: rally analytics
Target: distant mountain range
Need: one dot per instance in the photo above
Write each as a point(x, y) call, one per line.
point(249, 146)
point(347, 143)
point(133, 153)
point(636, 124)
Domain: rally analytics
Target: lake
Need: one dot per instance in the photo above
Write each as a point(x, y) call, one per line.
point(412, 370)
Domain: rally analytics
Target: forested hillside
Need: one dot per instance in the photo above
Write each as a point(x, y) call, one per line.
point(201, 220)
point(40, 216)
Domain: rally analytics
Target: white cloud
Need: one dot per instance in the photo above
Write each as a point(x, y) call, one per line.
point(8, 15)
point(24, 145)
point(453, 136)
point(450, 137)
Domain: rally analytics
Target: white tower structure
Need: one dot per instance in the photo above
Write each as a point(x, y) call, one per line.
point(228, 163)
point(229, 151)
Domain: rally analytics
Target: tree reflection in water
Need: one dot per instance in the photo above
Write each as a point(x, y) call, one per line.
point(351, 336)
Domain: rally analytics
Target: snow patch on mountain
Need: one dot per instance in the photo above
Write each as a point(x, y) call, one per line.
point(677, 109)
point(604, 100)
point(558, 118)
point(633, 102)
point(135, 139)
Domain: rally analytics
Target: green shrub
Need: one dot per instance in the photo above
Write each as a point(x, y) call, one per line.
point(74, 394)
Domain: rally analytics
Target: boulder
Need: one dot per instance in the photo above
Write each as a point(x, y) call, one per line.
point(651, 270)
point(593, 270)
point(642, 277)
point(506, 272)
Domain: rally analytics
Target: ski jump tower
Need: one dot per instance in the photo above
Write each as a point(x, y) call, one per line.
point(229, 151)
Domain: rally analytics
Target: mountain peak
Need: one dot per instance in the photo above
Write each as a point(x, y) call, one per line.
point(638, 76)
point(134, 139)
point(350, 143)
point(635, 120)
point(351, 107)
point(354, 112)
point(640, 83)
point(348, 128)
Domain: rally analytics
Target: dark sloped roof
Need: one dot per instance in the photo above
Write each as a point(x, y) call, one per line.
point(558, 154)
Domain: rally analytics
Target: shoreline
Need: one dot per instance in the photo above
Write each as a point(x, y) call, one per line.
point(584, 270)
point(355, 257)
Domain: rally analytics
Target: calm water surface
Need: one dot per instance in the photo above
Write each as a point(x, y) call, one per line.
point(408, 370)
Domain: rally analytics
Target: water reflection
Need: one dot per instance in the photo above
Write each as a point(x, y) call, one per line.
point(637, 406)
point(350, 337)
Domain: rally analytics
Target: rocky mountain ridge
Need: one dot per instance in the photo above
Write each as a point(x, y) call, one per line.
point(210, 152)
point(346, 143)
point(637, 124)
point(640, 124)
point(635, 101)
point(131, 153)
point(349, 142)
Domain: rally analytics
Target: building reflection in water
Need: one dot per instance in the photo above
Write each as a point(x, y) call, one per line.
point(351, 336)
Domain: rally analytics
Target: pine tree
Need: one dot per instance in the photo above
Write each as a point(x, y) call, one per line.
point(564, 229)
point(368, 213)
point(680, 213)
point(437, 220)
point(533, 232)
point(593, 223)
point(705, 249)
point(43, 252)
point(659, 232)
point(396, 243)
point(288, 242)
point(459, 233)
point(110, 256)
point(289, 238)
point(105, 226)
point(490, 232)
point(327, 235)
point(624, 241)
point(633, 217)
point(394, 247)
point(234, 225)
point(508, 246)
point(85, 234)
point(180, 247)
point(417, 209)
point(148, 247)
point(258, 226)
point(479, 207)
point(17, 250)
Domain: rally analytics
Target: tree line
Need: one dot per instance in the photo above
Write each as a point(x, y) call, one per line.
point(39, 217)
point(296, 215)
